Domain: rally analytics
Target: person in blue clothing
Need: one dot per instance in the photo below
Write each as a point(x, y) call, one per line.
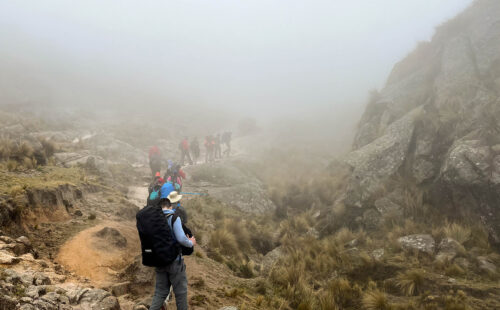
point(175, 273)
point(165, 191)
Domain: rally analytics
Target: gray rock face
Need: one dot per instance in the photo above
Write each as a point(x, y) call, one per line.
point(453, 145)
point(379, 160)
point(420, 243)
point(468, 163)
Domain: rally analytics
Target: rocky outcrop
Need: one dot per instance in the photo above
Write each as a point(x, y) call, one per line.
point(420, 243)
point(39, 204)
point(27, 287)
point(234, 186)
point(436, 124)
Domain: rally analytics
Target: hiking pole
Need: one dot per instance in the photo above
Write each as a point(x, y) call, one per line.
point(198, 194)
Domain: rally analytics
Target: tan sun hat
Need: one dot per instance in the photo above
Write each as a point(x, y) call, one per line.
point(174, 197)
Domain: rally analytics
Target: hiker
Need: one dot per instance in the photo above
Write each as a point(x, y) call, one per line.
point(217, 149)
point(154, 189)
point(195, 149)
point(208, 149)
point(175, 175)
point(174, 241)
point(184, 147)
point(226, 139)
point(154, 160)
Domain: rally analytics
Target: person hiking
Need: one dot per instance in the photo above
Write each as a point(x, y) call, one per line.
point(184, 147)
point(206, 143)
point(217, 148)
point(154, 189)
point(173, 274)
point(174, 176)
point(195, 149)
point(154, 160)
point(226, 139)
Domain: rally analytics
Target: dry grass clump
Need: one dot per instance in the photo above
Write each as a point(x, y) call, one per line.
point(23, 154)
point(411, 282)
point(458, 232)
point(223, 241)
point(454, 271)
point(376, 300)
point(345, 294)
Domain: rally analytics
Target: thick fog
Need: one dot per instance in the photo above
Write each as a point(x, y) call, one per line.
point(259, 57)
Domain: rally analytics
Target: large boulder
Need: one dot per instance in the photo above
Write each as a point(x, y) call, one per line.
point(419, 243)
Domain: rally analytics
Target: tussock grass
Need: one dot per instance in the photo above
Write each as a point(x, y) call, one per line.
point(376, 300)
point(460, 233)
point(411, 282)
point(223, 241)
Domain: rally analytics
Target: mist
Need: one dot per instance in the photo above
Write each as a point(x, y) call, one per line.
point(258, 58)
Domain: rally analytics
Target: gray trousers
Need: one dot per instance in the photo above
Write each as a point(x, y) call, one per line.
point(175, 275)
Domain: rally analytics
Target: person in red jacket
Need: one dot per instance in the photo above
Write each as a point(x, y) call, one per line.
point(154, 160)
point(184, 147)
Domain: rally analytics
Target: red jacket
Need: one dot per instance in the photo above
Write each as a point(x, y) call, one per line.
point(185, 145)
point(154, 150)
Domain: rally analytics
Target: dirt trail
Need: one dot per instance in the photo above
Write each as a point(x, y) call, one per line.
point(96, 258)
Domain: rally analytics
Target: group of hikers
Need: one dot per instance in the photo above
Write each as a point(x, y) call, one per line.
point(213, 148)
point(164, 236)
point(161, 224)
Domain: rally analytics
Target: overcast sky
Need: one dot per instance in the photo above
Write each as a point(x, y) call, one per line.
point(255, 56)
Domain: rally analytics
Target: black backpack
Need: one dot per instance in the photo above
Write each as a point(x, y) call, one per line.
point(158, 245)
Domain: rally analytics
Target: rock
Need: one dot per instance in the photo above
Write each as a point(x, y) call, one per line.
point(422, 243)
point(120, 289)
point(313, 232)
point(229, 308)
point(270, 259)
point(26, 300)
point(6, 239)
point(236, 186)
point(35, 291)
point(448, 249)
point(24, 240)
point(41, 279)
point(378, 254)
point(385, 206)
point(110, 237)
point(93, 299)
point(351, 244)
point(21, 248)
point(371, 219)
point(78, 212)
point(7, 302)
point(496, 149)
point(423, 170)
point(7, 259)
point(486, 265)
point(27, 279)
point(380, 159)
point(468, 163)
point(27, 257)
